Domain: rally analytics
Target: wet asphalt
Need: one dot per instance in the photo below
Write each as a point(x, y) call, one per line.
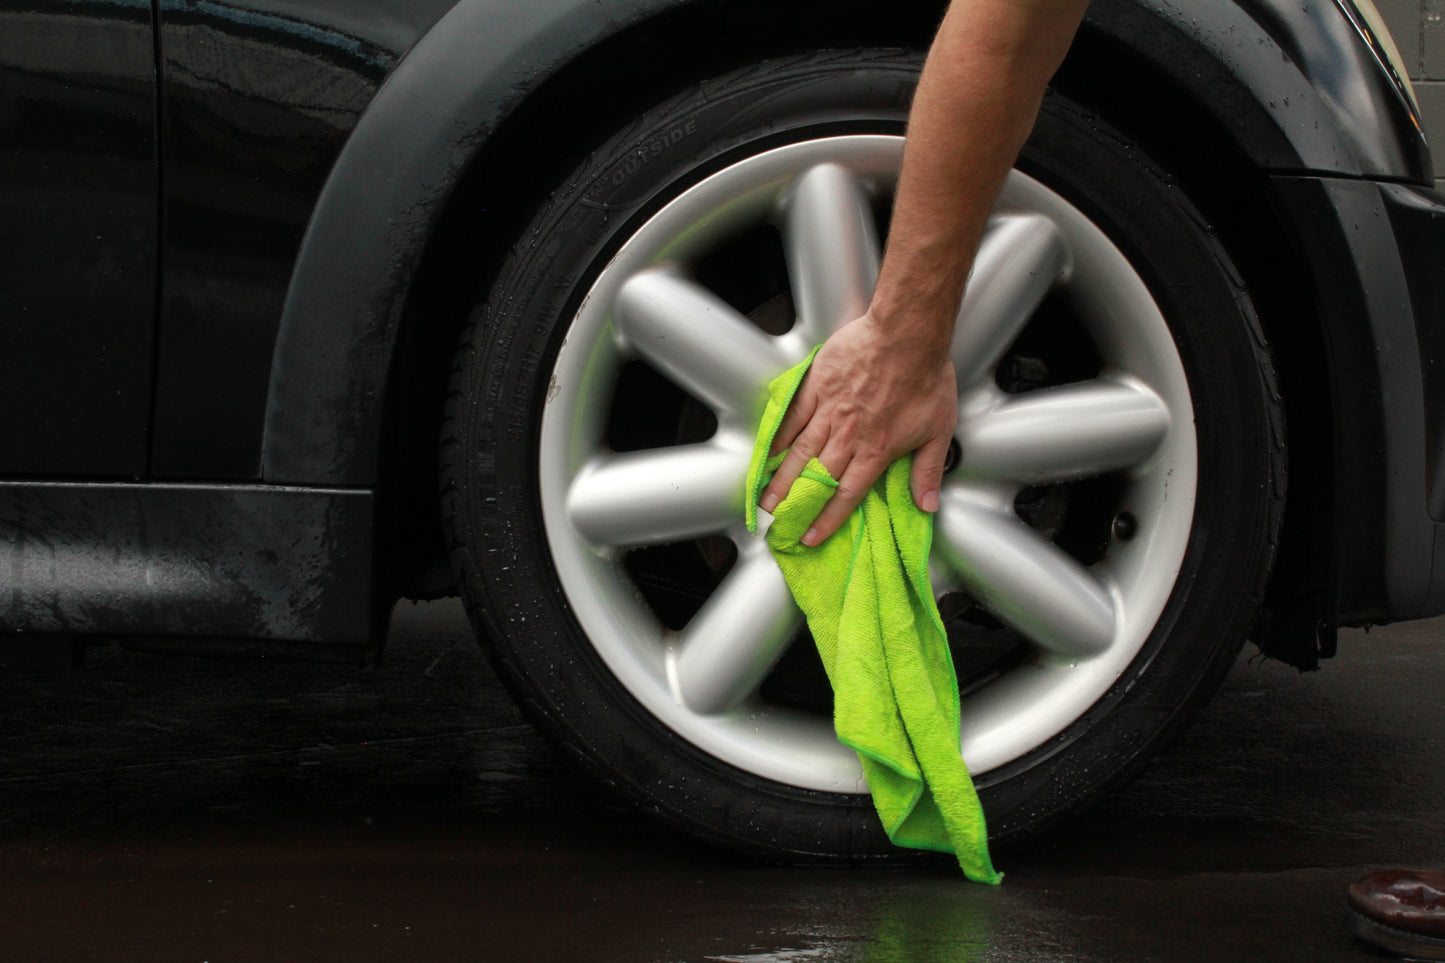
point(156, 808)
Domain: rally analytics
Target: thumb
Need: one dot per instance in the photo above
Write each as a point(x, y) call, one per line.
point(927, 475)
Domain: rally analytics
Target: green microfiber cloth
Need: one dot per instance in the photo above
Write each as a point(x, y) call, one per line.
point(870, 607)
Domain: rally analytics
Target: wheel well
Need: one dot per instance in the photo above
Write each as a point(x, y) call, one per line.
point(599, 92)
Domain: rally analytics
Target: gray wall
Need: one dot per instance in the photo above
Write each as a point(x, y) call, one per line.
point(1419, 30)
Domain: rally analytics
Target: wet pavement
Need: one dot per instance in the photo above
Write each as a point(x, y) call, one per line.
point(159, 808)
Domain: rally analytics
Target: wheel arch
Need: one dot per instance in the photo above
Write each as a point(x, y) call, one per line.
point(380, 289)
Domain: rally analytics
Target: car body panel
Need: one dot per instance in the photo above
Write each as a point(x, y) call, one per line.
point(259, 98)
point(350, 288)
point(78, 209)
point(1376, 116)
point(1418, 218)
point(1381, 524)
point(220, 561)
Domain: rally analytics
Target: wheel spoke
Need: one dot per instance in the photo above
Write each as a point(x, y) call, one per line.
point(1073, 431)
point(1028, 582)
point(661, 495)
point(832, 249)
point(735, 639)
point(697, 340)
point(1020, 259)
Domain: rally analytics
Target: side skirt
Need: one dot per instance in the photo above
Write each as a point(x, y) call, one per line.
point(241, 562)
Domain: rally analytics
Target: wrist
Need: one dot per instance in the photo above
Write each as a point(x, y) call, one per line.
point(917, 326)
point(919, 290)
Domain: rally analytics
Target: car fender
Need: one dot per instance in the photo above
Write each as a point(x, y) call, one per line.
point(1259, 76)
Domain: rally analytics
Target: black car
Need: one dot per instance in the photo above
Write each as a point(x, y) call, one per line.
point(311, 306)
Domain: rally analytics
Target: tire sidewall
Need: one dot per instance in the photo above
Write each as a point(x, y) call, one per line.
point(499, 543)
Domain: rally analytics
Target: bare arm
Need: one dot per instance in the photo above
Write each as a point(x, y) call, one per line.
point(883, 386)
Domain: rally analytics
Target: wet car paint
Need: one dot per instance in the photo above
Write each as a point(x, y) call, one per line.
point(78, 231)
point(258, 99)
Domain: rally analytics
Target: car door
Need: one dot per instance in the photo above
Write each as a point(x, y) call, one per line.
point(78, 236)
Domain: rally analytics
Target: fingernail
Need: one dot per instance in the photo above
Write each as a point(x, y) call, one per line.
point(810, 537)
point(769, 502)
point(930, 502)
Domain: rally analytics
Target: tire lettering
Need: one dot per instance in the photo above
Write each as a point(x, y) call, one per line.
point(639, 156)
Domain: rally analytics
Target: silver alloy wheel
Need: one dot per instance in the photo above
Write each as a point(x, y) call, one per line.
point(1134, 419)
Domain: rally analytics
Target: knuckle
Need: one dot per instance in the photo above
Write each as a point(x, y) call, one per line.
point(875, 458)
point(805, 448)
point(833, 519)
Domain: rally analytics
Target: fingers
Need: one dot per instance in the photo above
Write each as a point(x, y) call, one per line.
point(809, 442)
point(927, 477)
point(853, 484)
point(802, 437)
point(797, 417)
point(816, 440)
point(782, 481)
point(795, 420)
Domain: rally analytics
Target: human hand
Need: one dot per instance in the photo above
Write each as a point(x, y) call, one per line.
point(870, 397)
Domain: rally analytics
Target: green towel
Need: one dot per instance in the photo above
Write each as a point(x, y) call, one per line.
point(870, 607)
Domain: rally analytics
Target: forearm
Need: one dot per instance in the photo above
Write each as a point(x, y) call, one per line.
point(976, 103)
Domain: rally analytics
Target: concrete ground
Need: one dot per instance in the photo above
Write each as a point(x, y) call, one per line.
point(159, 808)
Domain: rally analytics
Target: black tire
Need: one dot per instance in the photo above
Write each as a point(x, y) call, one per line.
point(500, 388)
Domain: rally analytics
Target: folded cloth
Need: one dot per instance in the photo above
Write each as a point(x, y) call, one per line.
point(869, 604)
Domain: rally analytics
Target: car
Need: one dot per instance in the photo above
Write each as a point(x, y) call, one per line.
point(311, 307)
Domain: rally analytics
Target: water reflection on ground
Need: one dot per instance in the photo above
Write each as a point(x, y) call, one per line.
point(174, 809)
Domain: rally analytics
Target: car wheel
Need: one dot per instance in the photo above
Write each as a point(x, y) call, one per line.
point(1104, 537)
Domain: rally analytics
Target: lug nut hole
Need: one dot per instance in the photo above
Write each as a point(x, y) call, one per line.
point(950, 460)
point(1125, 526)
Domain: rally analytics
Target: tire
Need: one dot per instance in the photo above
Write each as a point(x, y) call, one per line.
point(1104, 540)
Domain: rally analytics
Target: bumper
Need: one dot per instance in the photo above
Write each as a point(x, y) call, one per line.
point(1375, 253)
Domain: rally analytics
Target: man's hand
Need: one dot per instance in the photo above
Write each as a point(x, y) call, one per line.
point(869, 399)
